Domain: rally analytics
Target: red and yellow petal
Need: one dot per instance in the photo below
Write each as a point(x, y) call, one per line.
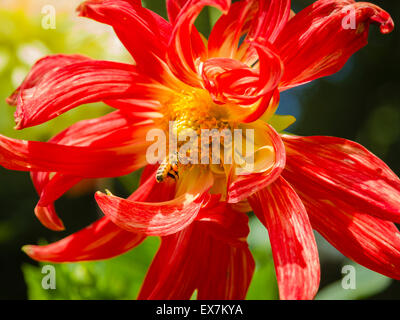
point(161, 218)
point(322, 23)
point(269, 161)
point(225, 36)
point(173, 8)
point(182, 264)
point(101, 240)
point(117, 159)
point(41, 68)
point(339, 169)
point(292, 240)
point(101, 132)
point(247, 91)
point(71, 85)
point(183, 54)
point(151, 31)
point(271, 18)
point(369, 241)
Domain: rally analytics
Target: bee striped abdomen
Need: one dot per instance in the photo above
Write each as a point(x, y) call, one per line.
point(167, 169)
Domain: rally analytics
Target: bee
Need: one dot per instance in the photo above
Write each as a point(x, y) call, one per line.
point(168, 168)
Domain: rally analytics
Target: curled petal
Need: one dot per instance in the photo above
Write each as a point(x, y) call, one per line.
point(340, 27)
point(339, 169)
point(48, 217)
point(69, 86)
point(248, 90)
point(101, 132)
point(101, 240)
point(292, 240)
point(56, 187)
point(369, 241)
point(151, 31)
point(46, 214)
point(269, 161)
point(183, 54)
point(162, 218)
point(41, 68)
point(229, 80)
point(53, 189)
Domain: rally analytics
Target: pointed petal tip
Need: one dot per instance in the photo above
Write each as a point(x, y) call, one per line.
point(99, 194)
point(27, 249)
point(56, 227)
point(18, 123)
point(82, 9)
point(11, 100)
point(48, 218)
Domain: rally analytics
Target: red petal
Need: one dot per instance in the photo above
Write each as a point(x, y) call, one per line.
point(41, 68)
point(369, 241)
point(101, 240)
point(231, 81)
point(194, 259)
point(94, 132)
point(225, 36)
point(151, 31)
point(108, 130)
point(271, 18)
point(173, 273)
point(292, 240)
point(225, 224)
point(242, 186)
point(56, 187)
point(122, 158)
point(229, 275)
point(157, 219)
point(85, 82)
point(49, 218)
point(183, 54)
point(315, 44)
point(174, 7)
point(340, 169)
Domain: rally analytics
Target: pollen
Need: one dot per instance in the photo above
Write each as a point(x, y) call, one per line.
point(189, 114)
point(194, 111)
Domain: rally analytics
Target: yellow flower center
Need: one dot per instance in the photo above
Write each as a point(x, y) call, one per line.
point(198, 125)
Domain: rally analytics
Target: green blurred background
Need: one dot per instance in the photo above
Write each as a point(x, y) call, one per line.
point(361, 102)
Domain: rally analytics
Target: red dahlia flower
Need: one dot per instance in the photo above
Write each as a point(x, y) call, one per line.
point(297, 184)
